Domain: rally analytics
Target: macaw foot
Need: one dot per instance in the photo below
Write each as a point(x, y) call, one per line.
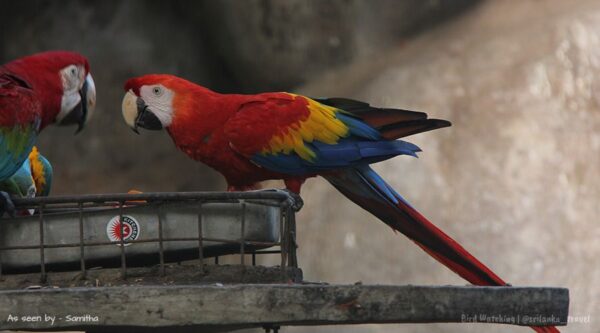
point(292, 190)
point(293, 186)
point(297, 202)
point(6, 205)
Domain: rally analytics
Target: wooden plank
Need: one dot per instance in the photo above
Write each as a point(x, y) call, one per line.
point(214, 306)
point(176, 274)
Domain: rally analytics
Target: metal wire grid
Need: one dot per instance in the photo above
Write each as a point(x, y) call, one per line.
point(286, 243)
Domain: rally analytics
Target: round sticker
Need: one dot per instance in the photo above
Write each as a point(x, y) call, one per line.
point(131, 229)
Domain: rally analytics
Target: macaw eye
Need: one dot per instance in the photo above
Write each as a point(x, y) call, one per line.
point(73, 71)
point(157, 91)
point(70, 77)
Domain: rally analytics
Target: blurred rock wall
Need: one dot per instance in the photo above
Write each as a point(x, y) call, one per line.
point(267, 45)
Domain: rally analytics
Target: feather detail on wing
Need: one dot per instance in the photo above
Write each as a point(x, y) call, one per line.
point(282, 123)
point(20, 117)
point(297, 135)
point(391, 123)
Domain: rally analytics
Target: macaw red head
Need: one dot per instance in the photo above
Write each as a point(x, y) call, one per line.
point(63, 84)
point(154, 101)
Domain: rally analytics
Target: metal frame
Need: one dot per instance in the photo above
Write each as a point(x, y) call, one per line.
point(286, 243)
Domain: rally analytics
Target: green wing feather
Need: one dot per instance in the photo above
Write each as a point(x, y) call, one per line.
point(15, 144)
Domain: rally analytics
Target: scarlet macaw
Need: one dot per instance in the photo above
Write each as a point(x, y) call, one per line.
point(35, 91)
point(251, 138)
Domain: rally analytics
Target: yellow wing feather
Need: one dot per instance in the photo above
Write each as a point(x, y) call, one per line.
point(37, 169)
point(321, 125)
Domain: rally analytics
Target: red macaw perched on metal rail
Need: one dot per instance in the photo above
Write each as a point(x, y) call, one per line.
point(252, 138)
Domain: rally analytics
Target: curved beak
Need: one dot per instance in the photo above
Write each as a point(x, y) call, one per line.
point(83, 110)
point(137, 114)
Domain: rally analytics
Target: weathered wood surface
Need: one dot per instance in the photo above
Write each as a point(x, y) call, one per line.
point(215, 306)
point(175, 274)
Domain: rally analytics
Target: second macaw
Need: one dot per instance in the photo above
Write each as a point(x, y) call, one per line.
point(251, 138)
point(36, 91)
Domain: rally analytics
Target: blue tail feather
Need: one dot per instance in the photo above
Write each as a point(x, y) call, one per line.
point(366, 188)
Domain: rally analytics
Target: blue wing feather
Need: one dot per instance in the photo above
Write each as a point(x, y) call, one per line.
point(346, 153)
point(363, 145)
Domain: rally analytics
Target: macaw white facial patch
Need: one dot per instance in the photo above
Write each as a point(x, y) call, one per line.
point(159, 100)
point(72, 78)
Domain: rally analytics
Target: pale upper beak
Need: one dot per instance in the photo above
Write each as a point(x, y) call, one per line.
point(90, 96)
point(129, 109)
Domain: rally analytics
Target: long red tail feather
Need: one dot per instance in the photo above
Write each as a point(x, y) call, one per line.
point(364, 187)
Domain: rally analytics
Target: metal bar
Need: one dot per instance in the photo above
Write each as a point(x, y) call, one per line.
point(288, 234)
point(154, 196)
point(81, 245)
point(149, 240)
point(253, 258)
point(161, 251)
point(243, 235)
point(292, 245)
point(62, 207)
point(200, 238)
point(216, 260)
point(122, 243)
point(42, 259)
point(282, 241)
point(268, 252)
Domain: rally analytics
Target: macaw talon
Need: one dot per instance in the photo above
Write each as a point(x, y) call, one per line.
point(7, 205)
point(297, 202)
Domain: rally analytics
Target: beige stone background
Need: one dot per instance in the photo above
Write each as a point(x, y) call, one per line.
point(516, 180)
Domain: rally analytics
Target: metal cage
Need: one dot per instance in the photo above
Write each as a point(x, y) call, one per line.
point(74, 212)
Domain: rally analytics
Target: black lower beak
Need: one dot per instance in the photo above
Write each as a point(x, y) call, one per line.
point(84, 107)
point(145, 118)
point(79, 113)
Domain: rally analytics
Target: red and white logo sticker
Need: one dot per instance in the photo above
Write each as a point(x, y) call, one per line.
point(131, 229)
